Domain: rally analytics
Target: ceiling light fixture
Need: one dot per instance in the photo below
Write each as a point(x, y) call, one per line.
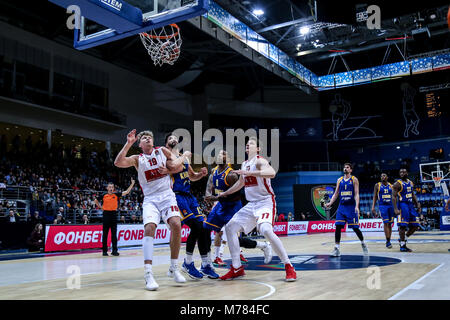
point(304, 30)
point(258, 12)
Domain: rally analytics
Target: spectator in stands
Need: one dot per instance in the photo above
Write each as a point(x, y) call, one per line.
point(36, 240)
point(36, 218)
point(84, 219)
point(59, 219)
point(290, 216)
point(61, 211)
point(13, 217)
point(141, 219)
point(281, 217)
point(424, 224)
point(122, 220)
point(302, 216)
point(134, 220)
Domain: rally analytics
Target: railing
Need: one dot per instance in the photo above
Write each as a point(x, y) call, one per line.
point(95, 215)
point(316, 166)
point(15, 193)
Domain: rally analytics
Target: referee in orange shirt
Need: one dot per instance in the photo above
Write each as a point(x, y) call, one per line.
point(110, 202)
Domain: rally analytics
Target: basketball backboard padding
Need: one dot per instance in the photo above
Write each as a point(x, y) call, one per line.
point(99, 25)
point(116, 14)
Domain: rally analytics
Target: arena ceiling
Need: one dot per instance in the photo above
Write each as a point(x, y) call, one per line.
point(333, 43)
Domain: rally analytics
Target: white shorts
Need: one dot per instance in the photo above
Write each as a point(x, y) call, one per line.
point(157, 207)
point(254, 213)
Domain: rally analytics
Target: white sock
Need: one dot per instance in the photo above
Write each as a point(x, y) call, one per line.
point(266, 230)
point(147, 247)
point(221, 249)
point(174, 264)
point(148, 268)
point(205, 260)
point(261, 244)
point(189, 258)
point(337, 245)
point(216, 252)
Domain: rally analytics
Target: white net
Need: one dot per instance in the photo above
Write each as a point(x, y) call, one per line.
point(437, 181)
point(163, 44)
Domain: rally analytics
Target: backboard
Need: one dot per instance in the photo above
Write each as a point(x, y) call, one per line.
point(436, 172)
point(104, 21)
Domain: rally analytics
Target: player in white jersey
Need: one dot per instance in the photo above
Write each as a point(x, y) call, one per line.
point(255, 175)
point(154, 166)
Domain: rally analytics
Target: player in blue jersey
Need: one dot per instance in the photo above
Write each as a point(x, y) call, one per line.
point(383, 193)
point(403, 200)
point(347, 189)
point(447, 207)
point(191, 216)
point(220, 180)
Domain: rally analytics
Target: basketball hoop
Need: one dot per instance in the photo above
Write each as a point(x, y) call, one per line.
point(163, 45)
point(437, 181)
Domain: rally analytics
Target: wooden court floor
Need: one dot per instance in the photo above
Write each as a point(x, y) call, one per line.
point(422, 274)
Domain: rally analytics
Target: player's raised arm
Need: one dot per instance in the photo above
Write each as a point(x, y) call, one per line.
point(129, 188)
point(395, 191)
point(195, 176)
point(334, 197)
point(122, 161)
point(375, 197)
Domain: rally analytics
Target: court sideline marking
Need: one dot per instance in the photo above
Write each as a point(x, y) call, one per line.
point(414, 284)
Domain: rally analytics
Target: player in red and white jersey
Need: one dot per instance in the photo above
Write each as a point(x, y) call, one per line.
point(255, 175)
point(154, 166)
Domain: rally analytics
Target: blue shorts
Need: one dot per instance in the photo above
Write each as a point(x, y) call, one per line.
point(221, 214)
point(189, 208)
point(346, 214)
point(387, 213)
point(408, 215)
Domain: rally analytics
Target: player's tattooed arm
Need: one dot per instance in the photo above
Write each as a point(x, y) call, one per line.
point(209, 186)
point(395, 191)
point(334, 197)
point(375, 198)
point(122, 161)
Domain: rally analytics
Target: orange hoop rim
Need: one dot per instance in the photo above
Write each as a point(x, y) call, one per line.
point(437, 179)
point(164, 37)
